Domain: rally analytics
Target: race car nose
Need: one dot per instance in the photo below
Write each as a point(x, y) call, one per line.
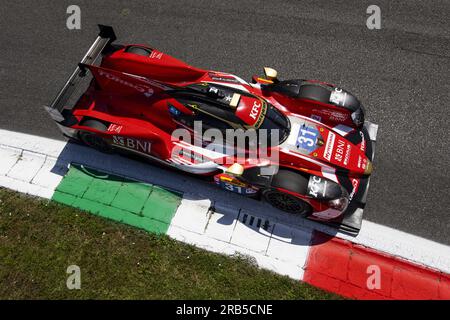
point(369, 168)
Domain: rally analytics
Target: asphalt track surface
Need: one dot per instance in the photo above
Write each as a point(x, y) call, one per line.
point(401, 73)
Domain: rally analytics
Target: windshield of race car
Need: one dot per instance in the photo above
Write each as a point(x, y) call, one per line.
point(275, 120)
point(225, 109)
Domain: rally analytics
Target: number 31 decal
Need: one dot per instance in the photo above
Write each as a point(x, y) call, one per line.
point(307, 138)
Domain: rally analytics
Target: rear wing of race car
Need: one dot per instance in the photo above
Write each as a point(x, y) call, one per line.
point(58, 109)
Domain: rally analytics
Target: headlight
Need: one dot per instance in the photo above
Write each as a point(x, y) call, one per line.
point(339, 204)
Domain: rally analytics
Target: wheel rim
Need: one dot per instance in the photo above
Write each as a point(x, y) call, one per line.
point(285, 202)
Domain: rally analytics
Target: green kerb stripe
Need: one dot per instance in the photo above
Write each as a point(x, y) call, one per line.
point(135, 203)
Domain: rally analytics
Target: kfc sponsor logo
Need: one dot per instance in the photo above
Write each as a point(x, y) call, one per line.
point(329, 146)
point(316, 186)
point(338, 97)
point(255, 111)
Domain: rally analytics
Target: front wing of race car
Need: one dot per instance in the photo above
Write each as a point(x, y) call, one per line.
point(351, 220)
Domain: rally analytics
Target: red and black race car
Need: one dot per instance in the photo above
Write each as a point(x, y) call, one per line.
point(301, 145)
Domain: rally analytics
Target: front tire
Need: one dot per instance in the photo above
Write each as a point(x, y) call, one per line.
point(287, 203)
point(291, 181)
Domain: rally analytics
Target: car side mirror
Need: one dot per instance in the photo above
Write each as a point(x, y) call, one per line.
point(271, 74)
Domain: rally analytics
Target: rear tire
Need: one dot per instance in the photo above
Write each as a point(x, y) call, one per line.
point(291, 181)
point(91, 139)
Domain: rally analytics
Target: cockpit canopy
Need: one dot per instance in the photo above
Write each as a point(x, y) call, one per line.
point(225, 108)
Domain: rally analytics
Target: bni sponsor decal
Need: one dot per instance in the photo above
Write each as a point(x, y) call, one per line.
point(342, 152)
point(329, 146)
point(134, 144)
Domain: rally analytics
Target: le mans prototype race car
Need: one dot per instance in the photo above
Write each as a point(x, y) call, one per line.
point(135, 98)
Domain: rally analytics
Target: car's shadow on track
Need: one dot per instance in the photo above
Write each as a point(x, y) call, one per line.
point(257, 217)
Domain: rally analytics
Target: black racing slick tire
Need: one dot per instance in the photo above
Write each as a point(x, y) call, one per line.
point(291, 181)
point(91, 139)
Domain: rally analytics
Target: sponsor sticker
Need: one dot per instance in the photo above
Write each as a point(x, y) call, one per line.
point(329, 146)
point(363, 141)
point(131, 143)
point(145, 90)
point(338, 97)
point(251, 110)
point(307, 138)
point(355, 184)
point(332, 115)
point(341, 152)
point(156, 55)
point(317, 187)
point(362, 162)
point(255, 111)
point(222, 78)
point(347, 154)
point(234, 186)
point(114, 128)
